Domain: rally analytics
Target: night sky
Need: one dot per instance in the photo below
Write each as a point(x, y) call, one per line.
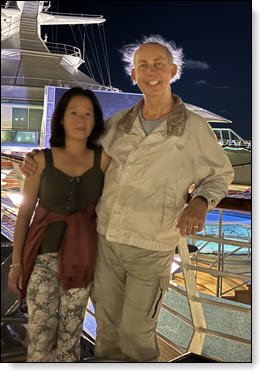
point(216, 38)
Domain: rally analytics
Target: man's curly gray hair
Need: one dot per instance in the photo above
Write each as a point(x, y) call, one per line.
point(176, 54)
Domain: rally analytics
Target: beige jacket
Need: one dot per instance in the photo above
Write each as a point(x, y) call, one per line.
point(147, 182)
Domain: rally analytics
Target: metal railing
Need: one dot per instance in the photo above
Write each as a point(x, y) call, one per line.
point(197, 320)
point(5, 31)
point(41, 82)
point(75, 14)
point(63, 49)
point(53, 47)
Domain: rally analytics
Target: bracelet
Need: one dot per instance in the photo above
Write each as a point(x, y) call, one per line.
point(14, 265)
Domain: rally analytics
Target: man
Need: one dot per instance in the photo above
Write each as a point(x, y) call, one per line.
point(158, 150)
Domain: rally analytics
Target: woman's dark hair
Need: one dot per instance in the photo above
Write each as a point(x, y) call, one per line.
point(57, 130)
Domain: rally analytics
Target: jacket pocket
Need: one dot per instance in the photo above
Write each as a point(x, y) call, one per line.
point(163, 285)
point(169, 207)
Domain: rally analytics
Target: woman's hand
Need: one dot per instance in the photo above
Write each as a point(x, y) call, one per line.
point(15, 278)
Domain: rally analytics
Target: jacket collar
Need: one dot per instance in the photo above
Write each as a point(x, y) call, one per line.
point(175, 122)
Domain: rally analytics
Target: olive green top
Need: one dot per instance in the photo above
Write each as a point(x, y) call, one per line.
point(64, 194)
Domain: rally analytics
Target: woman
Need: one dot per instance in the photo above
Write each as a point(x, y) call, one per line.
point(53, 260)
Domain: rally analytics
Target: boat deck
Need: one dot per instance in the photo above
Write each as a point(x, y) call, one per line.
point(167, 352)
point(208, 284)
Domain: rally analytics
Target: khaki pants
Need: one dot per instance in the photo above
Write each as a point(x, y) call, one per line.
point(55, 316)
point(129, 287)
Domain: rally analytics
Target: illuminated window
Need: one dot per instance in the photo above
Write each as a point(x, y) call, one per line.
point(35, 119)
point(20, 118)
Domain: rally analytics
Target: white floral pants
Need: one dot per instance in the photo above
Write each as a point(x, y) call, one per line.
point(55, 316)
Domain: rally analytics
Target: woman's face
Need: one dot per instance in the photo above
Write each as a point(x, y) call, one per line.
point(79, 118)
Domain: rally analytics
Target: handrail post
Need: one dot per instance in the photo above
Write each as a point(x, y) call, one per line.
point(197, 314)
point(218, 286)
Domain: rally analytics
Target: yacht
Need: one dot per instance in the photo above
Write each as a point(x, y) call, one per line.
point(31, 64)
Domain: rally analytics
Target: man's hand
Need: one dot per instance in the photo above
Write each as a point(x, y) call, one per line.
point(193, 217)
point(29, 166)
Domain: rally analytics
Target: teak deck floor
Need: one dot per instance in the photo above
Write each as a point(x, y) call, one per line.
point(206, 283)
point(167, 352)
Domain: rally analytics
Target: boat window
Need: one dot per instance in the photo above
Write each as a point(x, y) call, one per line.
point(218, 134)
point(7, 136)
point(19, 118)
point(225, 134)
point(35, 119)
point(25, 137)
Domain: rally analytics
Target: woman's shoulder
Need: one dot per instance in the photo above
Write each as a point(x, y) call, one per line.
point(55, 150)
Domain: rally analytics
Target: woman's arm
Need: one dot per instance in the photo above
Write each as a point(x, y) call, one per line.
point(26, 210)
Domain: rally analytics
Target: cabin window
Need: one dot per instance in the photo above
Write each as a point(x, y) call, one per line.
point(218, 134)
point(26, 119)
point(35, 119)
point(7, 136)
point(20, 118)
point(225, 134)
